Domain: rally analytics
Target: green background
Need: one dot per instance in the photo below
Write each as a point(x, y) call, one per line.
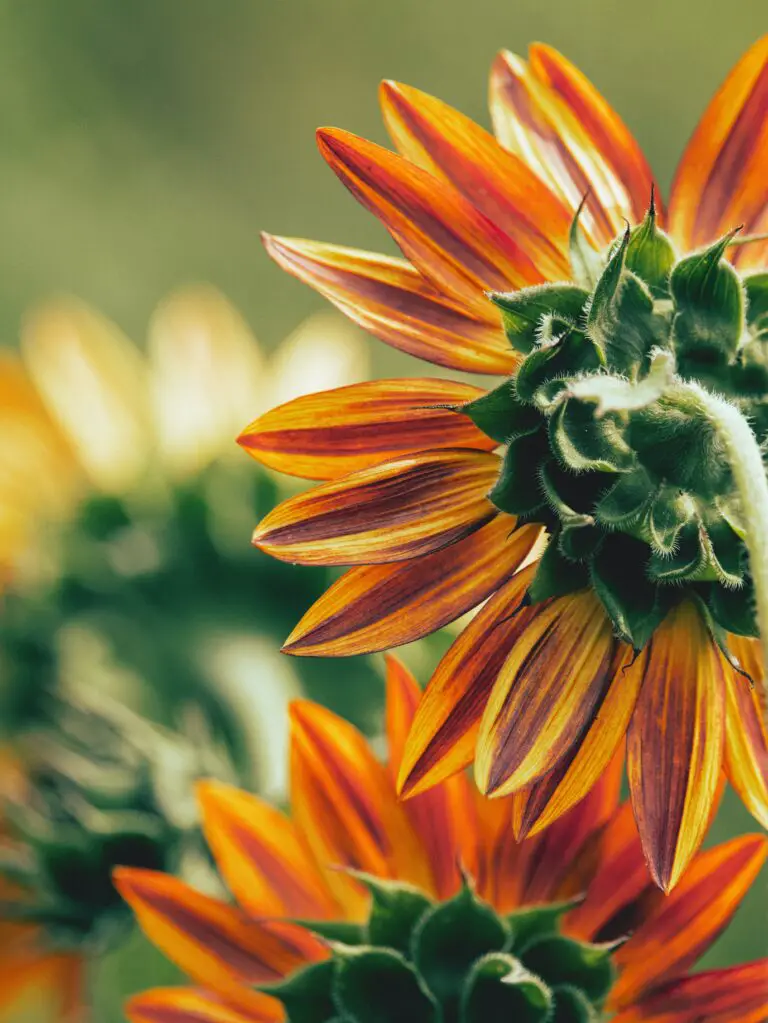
point(145, 143)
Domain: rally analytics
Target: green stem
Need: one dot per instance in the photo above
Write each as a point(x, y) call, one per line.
point(746, 461)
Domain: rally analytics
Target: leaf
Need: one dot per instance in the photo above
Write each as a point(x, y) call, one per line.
point(500, 990)
point(523, 311)
point(376, 985)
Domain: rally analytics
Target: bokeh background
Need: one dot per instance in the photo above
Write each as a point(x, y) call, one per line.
point(146, 144)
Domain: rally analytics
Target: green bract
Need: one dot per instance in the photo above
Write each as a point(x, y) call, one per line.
point(417, 961)
point(608, 444)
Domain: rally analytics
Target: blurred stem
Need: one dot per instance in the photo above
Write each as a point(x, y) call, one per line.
point(746, 461)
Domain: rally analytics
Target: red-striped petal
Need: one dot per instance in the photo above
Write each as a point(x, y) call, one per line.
point(455, 246)
point(401, 509)
point(746, 739)
point(377, 607)
point(392, 300)
point(326, 435)
point(191, 1005)
point(675, 743)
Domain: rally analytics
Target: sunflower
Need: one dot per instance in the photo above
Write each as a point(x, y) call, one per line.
point(431, 905)
point(545, 256)
point(124, 507)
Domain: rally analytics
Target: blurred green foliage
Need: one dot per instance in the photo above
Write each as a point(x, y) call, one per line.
point(145, 144)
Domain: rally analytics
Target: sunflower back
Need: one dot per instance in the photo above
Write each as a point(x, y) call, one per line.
point(608, 441)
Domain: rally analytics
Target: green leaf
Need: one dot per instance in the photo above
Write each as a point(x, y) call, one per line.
point(572, 1006)
point(635, 606)
point(501, 415)
point(556, 575)
point(578, 536)
point(500, 990)
point(532, 922)
point(585, 442)
point(756, 288)
point(517, 490)
point(566, 355)
point(651, 254)
point(396, 908)
point(306, 994)
point(562, 961)
point(335, 930)
point(626, 502)
point(733, 609)
point(670, 510)
point(707, 552)
point(448, 940)
point(376, 985)
point(709, 304)
point(523, 311)
point(585, 260)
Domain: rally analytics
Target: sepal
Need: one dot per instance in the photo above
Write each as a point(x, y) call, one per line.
point(562, 961)
point(650, 254)
point(396, 908)
point(378, 985)
point(307, 994)
point(501, 415)
point(556, 575)
point(499, 989)
point(523, 311)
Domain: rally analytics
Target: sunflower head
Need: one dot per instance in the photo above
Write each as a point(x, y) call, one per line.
point(99, 787)
point(426, 961)
point(607, 441)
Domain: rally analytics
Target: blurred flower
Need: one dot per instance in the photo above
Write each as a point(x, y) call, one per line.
point(608, 445)
point(126, 508)
point(95, 787)
point(438, 912)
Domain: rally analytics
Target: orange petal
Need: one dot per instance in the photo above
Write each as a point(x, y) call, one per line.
point(531, 120)
point(329, 434)
point(381, 606)
point(606, 131)
point(746, 740)
point(443, 817)
point(738, 994)
point(455, 149)
point(546, 694)
point(442, 739)
point(688, 921)
point(215, 944)
point(344, 801)
point(392, 300)
point(401, 509)
point(721, 181)
point(581, 768)
point(675, 743)
point(455, 246)
point(262, 856)
point(191, 1005)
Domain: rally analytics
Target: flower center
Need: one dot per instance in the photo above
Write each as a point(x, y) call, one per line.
point(608, 444)
point(416, 961)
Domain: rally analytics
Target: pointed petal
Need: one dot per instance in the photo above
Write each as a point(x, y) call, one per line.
point(381, 606)
point(547, 799)
point(191, 1005)
point(345, 804)
point(442, 739)
point(401, 509)
point(532, 121)
point(25, 973)
point(206, 376)
point(326, 435)
point(721, 181)
point(442, 817)
point(738, 994)
point(454, 149)
point(262, 856)
point(392, 300)
point(675, 743)
point(688, 921)
point(546, 693)
point(215, 944)
point(605, 130)
point(93, 381)
point(746, 740)
point(455, 246)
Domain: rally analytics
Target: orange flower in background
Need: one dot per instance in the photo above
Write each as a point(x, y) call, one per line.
point(344, 811)
point(433, 519)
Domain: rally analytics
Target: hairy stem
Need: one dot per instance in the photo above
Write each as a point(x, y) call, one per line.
point(746, 461)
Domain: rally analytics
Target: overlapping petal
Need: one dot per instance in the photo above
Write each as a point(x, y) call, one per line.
point(455, 149)
point(191, 1005)
point(262, 856)
point(376, 607)
point(326, 435)
point(392, 300)
point(444, 732)
point(675, 742)
point(688, 920)
point(401, 509)
point(738, 994)
point(746, 740)
point(721, 182)
point(452, 243)
point(546, 693)
point(345, 804)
